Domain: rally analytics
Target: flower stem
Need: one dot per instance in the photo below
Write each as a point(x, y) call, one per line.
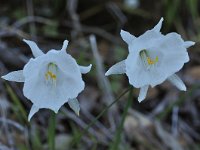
point(51, 131)
point(100, 114)
point(116, 142)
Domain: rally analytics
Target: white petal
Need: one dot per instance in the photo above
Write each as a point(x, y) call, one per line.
point(175, 80)
point(171, 57)
point(158, 26)
point(118, 68)
point(33, 110)
point(68, 85)
point(34, 48)
point(74, 105)
point(84, 69)
point(127, 37)
point(143, 93)
point(187, 44)
point(65, 44)
point(16, 76)
point(145, 41)
point(138, 76)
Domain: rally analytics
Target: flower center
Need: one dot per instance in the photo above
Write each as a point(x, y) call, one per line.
point(51, 73)
point(148, 62)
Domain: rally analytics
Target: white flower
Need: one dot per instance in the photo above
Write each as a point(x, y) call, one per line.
point(50, 79)
point(153, 58)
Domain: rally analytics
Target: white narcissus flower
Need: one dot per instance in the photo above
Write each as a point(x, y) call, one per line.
point(50, 79)
point(152, 59)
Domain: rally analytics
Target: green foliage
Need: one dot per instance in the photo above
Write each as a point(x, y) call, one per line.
point(51, 131)
point(17, 107)
point(171, 11)
point(117, 138)
point(193, 7)
point(35, 139)
point(51, 30)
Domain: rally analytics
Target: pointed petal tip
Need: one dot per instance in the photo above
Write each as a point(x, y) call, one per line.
point(127, 37)
point(74, 105)
point(65, 44)
point(55, 111)
point(158, 27)
point(188, 44)
point(86, 69)
point(29, 118)
point(161, 21)
point(77, 113)
point(175, 80)
point(33, 110)
point(3, 77)
point(118, 68)
point(143, 93)
point(34, 48)
point(16, 76)
point(107, 73)
point(26, 41)
point(183, 88)
point(122, 31)
point(90, 67)
point(140, 99)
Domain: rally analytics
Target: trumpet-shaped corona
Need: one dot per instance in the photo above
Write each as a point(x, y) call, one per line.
point(147, 60)
point(51, 74)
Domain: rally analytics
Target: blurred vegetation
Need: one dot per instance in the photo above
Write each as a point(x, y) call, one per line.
point(167, 119)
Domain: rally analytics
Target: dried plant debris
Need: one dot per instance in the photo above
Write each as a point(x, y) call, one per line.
point(166, 120)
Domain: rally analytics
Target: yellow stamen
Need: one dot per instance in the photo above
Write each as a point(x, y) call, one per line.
point(152, 62)
point(51, 74)
point(146, 59)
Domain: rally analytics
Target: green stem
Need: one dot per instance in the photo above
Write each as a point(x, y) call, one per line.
point(116, 142)
point(100, 114)
point(51, 131)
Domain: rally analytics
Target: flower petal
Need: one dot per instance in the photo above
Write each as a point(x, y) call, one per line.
point(174, 55)
point(16, 76)
point(127, 37)
point(175, 80)
point(188, 44)
point(65, 44)
point(143, 93)
point(118, 68)
point(74, 105)
point(33, 110)
point(84, 69)
point(158, 26)
point(171, 55)
point(34, 48)
point(68, 85)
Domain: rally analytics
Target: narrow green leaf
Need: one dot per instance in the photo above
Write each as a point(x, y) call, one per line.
point(117, 139)
point(21, 113)
point(100, 114)
point(51, 131)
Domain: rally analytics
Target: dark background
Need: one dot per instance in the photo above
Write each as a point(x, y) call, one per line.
point(166, 120)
